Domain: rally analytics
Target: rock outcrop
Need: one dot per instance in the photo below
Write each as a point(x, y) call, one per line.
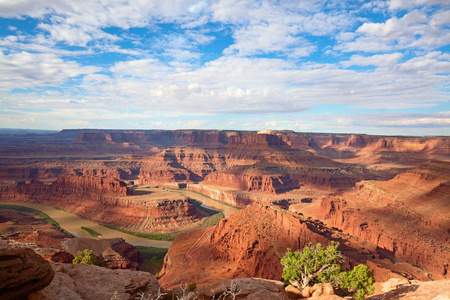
point(406, 217)
point(248, 244)
point(114, 253)
point(22, 272)
point(253, 179)
point(92, 187)
point(416, 290)
point(25, 227)
point(244, 288)
point(79, 282)
point(59, 257)
point(106, 201)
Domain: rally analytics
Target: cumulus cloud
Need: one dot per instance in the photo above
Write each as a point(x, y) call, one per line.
point(379, 60)
point(28, 70)
point(245, 58)
point(414, 30)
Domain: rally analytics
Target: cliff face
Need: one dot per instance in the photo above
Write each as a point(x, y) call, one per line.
point(406, 216)
point(258, 140)
point(90, 186)
point(81, 186)
point(248, 244)
point(105, 201)
point(268, 183)
point(159, 138)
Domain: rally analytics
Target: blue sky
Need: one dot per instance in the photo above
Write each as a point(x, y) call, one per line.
point(375, 67)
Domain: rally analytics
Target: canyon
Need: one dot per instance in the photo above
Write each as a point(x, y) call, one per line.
point(384, 199)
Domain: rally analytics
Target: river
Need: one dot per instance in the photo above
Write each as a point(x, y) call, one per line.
point(207, 202)
point(73, 223)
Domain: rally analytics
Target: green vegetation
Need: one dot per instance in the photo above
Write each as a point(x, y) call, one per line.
point(313, 265)
point(87, 257)
point(192, 286)
point(316, 264)
point(152, 236)
point(35, 212)
point(211, 220)
point(154, 257)
point(358, 281)
point(91, 231)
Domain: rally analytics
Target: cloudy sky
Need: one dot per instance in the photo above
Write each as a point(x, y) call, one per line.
point(376, 67)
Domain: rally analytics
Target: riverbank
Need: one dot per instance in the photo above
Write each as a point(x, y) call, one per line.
point(73, 223)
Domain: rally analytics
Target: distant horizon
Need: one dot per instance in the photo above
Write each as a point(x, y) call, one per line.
point(29, 130)
point(374, 67)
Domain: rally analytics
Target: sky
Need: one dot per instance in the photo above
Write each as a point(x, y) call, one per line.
point(373, 67)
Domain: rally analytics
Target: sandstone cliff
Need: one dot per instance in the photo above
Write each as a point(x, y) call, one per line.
point(406, 217)
point(105, 201)
point(259, 179)
point(249, 243)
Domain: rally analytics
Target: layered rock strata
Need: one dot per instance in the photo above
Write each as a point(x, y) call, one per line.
point(248, 244)
point(22, 272)
point(104, 201)
point(406, 217)
point(80, 281)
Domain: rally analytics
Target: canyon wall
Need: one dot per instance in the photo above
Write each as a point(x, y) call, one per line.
point(250, 243)
point(252, 179)
point(106, 201)
point(406, 216)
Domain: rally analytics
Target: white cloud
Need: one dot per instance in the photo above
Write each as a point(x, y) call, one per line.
point(408, 4)
point(414, 30)
point(379, 60)
point(143, 68)
point(418, 122)
point(27, 70)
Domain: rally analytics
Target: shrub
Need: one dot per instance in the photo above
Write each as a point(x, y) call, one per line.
point(359, 281)
point(313, 264)
point(87, 257)
point(317, 264)
point(192, 286)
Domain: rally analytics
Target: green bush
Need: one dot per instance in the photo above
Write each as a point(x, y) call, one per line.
point(87, 257)
point(192, 286)
point(316, 264)
point(358, 281)
point(312, 265)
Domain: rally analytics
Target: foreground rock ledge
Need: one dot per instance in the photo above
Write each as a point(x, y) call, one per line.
point(76, 282)
point(22, 271)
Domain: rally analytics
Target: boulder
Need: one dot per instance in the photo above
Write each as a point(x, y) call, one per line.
point(307, 291)
point(80, 281)
point(292, 292)
point(22, 272)
point(59, 256)
point(322, 289)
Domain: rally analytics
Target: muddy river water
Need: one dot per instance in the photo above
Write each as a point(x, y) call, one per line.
point(73, 223)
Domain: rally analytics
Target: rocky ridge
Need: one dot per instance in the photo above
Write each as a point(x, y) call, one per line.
point(107, 201)
point(406, 217)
